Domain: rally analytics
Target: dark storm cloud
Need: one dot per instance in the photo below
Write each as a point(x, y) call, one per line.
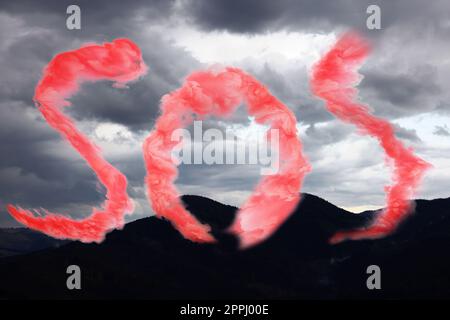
point(257, 16)
point(137, 106)
point(406, 92)
point(31, 51)
point(33, 159)
point(413, 33)
point(39, 169)
point(26, 55)
point(94, 13)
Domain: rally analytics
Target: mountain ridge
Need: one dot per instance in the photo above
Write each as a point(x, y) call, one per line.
point(150, 259)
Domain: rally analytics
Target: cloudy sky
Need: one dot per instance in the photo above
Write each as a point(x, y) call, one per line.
point(406, 80)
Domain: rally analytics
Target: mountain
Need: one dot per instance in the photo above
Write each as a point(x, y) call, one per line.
point(14, 241)
point(150, 259)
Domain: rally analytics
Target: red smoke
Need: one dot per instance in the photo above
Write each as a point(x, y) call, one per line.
point(219, 93)
point(119, 61)
point(216, 93)
point(333, 79)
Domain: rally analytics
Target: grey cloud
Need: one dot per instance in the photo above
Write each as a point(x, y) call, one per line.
point(292, 89)
point(407, 134)
point(403, 76)
point(137, 106)
point(97, 16)
point(330, 134)
point(405, 93)
point(442, 131)
point(33, 176)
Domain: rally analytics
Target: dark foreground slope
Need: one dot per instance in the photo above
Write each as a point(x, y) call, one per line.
point(149, 259)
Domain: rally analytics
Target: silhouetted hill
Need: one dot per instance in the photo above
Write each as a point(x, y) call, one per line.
point(149, 259)
point(14, 241)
